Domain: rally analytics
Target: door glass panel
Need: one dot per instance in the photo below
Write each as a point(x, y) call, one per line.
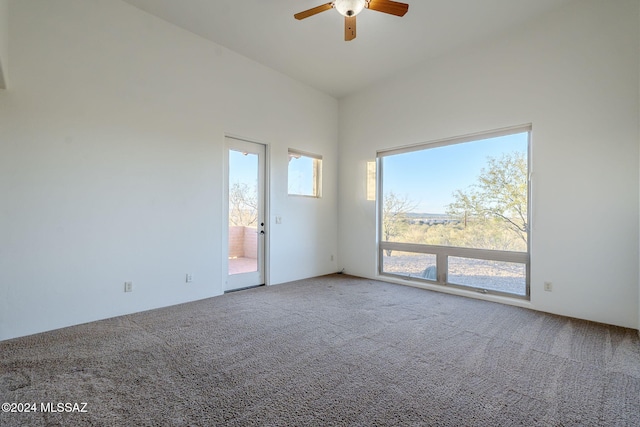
point(243, 212)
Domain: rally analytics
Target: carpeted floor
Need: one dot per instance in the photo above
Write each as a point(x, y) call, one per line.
point(334, 350)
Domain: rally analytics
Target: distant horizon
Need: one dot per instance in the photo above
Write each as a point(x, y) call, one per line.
point(426, 214)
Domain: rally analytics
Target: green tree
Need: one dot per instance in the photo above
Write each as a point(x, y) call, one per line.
point(498, 197)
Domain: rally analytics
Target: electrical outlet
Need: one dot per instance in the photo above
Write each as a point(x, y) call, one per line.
point(189, 278)
point(278, 219)
point(331, 257)
point(548, 286)
point(128, 286)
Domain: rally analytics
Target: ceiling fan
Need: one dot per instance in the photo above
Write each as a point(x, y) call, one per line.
point(350, 8)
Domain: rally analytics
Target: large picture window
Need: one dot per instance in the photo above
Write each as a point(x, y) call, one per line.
point(456, 212)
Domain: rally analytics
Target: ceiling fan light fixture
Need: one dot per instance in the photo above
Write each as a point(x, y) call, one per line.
point(349, 7)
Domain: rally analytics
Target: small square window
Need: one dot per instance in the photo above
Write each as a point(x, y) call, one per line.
point(305, 174)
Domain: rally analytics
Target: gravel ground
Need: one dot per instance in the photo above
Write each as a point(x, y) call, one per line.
point(491, 275)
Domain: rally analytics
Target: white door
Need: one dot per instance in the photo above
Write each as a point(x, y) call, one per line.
point(246, 214)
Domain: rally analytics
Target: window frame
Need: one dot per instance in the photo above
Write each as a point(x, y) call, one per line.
point(442, 253)
point(316, 173)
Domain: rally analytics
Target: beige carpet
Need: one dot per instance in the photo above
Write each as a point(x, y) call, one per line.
point(334, 350)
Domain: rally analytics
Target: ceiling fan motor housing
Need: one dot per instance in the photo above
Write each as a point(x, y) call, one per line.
point(349, 7)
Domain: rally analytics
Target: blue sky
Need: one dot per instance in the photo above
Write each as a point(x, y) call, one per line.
point(429, 177)
point(300, 176)
point(243, 168)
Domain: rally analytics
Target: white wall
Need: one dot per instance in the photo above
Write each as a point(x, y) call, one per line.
point(573, 75)
point(111, 155)
point(4, 43)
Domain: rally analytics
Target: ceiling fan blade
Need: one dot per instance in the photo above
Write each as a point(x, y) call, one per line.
point(313, 11)
point(349, 28)
point(388, 6)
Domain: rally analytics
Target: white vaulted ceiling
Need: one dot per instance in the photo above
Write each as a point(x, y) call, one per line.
point(313, 50)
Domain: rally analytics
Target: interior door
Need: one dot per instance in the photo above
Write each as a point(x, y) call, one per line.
point(246, 214)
